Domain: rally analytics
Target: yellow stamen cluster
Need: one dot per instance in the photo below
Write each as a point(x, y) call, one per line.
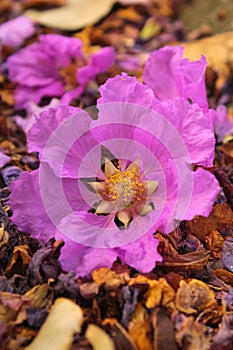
point(124, 187)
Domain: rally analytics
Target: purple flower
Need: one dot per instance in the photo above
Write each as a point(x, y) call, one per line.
point(4, 159)
point(223, 124)
point(14, 32)
point(169, 75)
point(104, 186)
point(54, 66)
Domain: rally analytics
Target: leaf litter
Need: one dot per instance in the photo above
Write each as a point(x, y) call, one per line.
point(186, 301)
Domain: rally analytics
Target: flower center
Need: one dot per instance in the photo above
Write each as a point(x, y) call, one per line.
point(124, 188)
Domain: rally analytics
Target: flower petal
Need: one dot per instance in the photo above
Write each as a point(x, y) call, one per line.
point(99, 63)
point(171, 76)
point(141, 254)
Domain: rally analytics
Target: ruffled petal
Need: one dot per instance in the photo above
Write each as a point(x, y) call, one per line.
point(169, 76)
point(28, 211)
point(83, 260)
point(141, 254)
point(205, 190)
point(123, 88)
point(99, 63)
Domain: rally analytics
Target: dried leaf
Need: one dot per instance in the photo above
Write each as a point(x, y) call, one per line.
point(120, 336)
point(88, 290)
point(227, 254)
point(220, 219)
point(186, 262)
point(64, 320)
point(150, 29)
point(19, 261)
point(224, 275)
point(40, 296)
point(218, 52)
point(4, 236)
point(163, 331)
point(44, 263)
point(140, 328)
point(74, 15)
point(98, 338)
point(194, 296)
point(109, 278)
point(191, 335)
point(161, 293)
point(214, 242)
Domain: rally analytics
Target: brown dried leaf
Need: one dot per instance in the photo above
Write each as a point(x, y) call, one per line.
point(163, 331)
point(192, 335)
point(120, 336)
point(64, 320)
point(19, 261)
point(227, 148)
point(220, 219)
point(109, 278)
point(187, 262)
point(98, 338)
point(194, 296)
point(140, 328)
point(74, 15)
point(224, 275)
point(214, 242)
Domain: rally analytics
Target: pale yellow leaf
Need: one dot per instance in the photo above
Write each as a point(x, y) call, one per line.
point(56, 333)
point(98, 338)
point(74, 15)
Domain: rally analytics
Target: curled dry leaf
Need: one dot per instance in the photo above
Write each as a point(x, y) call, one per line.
point(140, 328)
point(214, 242)
point(74, 15)
point(98, 338)
point(220, 219)
point(4, 236)
point(19, 261)
point(56, 333)
point(194, 296)
point(109, 278)
point(40, 296)
point(120, 336)
point(160, 293)
point(224, 275)
point(187, 262)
